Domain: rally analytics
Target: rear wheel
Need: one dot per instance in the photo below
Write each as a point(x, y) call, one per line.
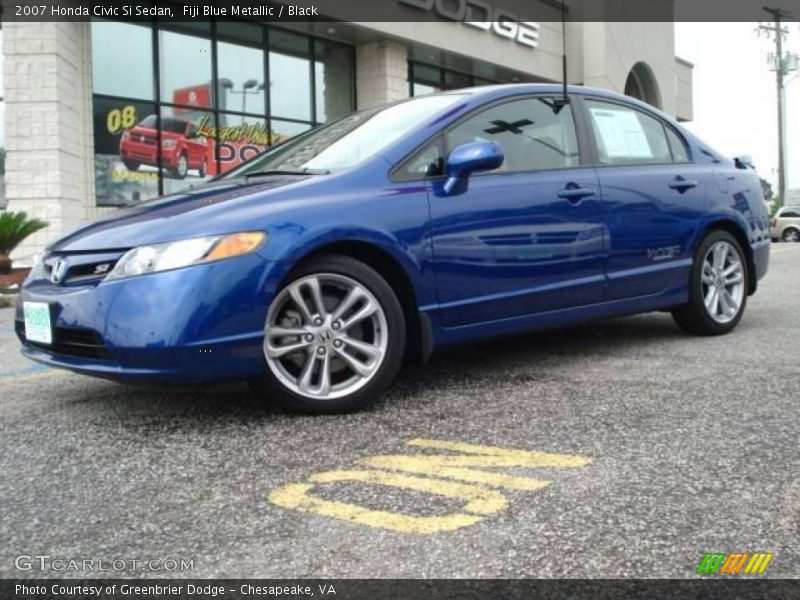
point(131, 165)
point(717, 288)
point(334, 337)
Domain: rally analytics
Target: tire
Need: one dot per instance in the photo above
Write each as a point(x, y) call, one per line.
point(294, 379)
point(696, 317)
point(790, 234)
point(181, 170)
point(131, 165)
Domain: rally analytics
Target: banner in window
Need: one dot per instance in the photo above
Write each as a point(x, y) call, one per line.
point(121, 177)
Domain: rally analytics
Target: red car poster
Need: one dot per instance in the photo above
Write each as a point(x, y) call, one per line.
point(135, 146)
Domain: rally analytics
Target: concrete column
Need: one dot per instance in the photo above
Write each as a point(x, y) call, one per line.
point(48, 123)
point(381, 73)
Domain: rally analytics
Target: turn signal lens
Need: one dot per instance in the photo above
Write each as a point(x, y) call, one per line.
point(236, 245)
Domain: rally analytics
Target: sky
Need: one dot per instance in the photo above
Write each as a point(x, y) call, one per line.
point(735, 98)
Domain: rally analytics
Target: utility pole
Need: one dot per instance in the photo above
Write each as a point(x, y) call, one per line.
point(782, 65)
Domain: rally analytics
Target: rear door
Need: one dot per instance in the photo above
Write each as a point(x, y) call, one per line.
point(527, 237)
point(654, 194)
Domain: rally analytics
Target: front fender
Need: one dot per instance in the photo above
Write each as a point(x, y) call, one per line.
point(286, 247)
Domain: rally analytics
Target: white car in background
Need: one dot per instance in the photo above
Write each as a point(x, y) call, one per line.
point(785, 225)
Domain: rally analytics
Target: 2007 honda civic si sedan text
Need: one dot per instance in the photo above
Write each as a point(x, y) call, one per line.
point(318, 267)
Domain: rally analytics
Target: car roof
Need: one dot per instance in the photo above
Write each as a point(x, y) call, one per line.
point(501, 90)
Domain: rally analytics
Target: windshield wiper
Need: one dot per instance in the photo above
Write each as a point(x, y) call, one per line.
point(268, 172)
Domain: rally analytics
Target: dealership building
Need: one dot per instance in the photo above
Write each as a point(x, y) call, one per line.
point(87, 105)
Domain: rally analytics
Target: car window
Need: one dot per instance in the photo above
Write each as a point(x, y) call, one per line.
point(355, 138)
point(627, 136)
point(427, 162)
point(678, 147)
point(790, 214)
point(533, 134)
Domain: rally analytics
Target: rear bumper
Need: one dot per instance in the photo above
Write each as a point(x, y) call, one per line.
point(197, 324)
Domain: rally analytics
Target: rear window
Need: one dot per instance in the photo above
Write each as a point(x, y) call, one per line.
point(791, 214)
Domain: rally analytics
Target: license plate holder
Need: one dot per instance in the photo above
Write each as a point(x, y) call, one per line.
point(38, 324)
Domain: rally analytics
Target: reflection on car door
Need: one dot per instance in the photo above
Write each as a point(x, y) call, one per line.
point(655, 197)
point(527, 237)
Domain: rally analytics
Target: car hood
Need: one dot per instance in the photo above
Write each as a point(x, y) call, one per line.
point(211, 209)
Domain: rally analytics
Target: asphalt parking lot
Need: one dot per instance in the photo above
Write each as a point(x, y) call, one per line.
point(660, 448)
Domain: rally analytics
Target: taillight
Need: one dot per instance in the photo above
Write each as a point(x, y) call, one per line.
point(774, 222)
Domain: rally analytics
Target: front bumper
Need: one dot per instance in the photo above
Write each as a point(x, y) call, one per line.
point(196, 324)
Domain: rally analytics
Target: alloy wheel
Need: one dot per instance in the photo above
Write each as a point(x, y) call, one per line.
point(723, 282)
point(325, 337)
point(791, 235)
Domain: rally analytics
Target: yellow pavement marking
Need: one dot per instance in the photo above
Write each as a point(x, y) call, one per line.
point(479, 501)
point(451, 466)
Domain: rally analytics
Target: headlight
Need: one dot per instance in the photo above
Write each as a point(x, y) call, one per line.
point(174, 255)
point(169, 143)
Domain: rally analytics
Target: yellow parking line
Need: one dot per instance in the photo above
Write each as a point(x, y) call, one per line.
point(431, 474)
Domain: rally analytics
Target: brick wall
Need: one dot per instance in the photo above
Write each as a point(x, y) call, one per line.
point(48, 124)
point(381, 73)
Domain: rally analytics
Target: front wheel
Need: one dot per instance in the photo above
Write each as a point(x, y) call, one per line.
point(182, 168)
point(334, 337)
point(717, 288)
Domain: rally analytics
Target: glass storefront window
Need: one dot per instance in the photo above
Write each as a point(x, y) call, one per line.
point(426, 79)
point(240, 77)
point(290, 76)
point(204, 123)
point(185, 69)
point(125, 151)
point(187, 147)
point(240, 138)
point(122, 60)
point(283, 130)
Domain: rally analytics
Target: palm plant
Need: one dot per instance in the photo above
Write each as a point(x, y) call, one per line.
point(15, 227)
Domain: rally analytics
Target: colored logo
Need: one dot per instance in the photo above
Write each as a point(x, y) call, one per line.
point(744, 563)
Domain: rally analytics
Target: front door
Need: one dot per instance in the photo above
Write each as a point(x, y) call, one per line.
point(525, 238)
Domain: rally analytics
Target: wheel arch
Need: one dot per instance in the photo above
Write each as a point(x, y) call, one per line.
point(737, 231)
point(419, 337)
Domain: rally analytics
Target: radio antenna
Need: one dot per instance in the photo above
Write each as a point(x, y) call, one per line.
point(564, 100)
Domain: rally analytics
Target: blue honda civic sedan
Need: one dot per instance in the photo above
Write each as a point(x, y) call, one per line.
point(318, 267)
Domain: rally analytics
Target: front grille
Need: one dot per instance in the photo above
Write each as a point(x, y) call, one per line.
point(82, 268)
point(67, 341)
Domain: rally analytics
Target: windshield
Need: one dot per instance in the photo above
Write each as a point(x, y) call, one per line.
point(348, 141)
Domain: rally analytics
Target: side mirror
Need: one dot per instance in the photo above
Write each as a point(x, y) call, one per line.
point(471, 158)
point(745, 161)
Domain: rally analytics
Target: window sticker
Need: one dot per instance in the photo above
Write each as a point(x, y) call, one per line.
point(621, 133)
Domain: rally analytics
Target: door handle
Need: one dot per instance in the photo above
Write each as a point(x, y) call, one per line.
point(680, 184)
point(573, 193)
